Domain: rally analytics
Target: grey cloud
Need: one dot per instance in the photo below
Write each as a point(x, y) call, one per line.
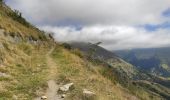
point(112, 22)
point(93, 11)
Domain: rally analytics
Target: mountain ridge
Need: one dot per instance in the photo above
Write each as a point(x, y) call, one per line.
point(155, 60)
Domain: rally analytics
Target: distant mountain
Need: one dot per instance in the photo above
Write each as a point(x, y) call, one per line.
point(99, 51)
point(106, 56)
point(153, 60)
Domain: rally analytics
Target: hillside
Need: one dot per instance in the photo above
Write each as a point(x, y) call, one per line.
point(106, 56)
point(126, 74)
point(16, 26)
point(153, 60)
point(33, 66)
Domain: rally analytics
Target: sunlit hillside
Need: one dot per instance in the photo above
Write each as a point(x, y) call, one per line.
point(35, 67)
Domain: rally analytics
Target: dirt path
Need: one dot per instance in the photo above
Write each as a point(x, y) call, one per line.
point(52, 65)
point(51, 92)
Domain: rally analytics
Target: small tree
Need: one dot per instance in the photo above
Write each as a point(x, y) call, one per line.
point(16, 15)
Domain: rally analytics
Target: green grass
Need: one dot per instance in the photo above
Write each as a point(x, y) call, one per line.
point(15, 25)
point(28, 70)
point(86, 75)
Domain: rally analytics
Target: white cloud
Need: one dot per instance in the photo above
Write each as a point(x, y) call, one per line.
point(93, 11)
point(113, 22)
point(112, 37)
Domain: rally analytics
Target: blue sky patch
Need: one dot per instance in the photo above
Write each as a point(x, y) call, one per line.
point(164, 25)
point(152, 27)
point(166, 13)
point(72, 23)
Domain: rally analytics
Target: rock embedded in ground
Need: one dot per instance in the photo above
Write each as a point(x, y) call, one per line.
point(43, 98)
point(39, 65)
point(63, 96)
point(1, 46)
point(88, 95)
point(14, 97)
point(66, 87)
point(4, 75)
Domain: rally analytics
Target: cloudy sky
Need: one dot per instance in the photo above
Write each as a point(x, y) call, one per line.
point(118, 24)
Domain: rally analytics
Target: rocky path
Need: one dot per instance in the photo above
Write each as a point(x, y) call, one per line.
point(51, 92)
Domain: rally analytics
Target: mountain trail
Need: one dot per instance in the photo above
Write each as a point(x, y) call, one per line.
point(52, 65)
point(51, 92)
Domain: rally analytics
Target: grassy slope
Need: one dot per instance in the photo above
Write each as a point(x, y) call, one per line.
point(29, 71)
point(86, 75)
point(97, 78)
point(27, 68)
point(14, 27)
point(24, 64)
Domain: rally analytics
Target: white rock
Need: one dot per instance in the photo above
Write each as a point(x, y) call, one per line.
point(4, 75)
point(85, 91)
point(66, 87)
point(63, 96)
point(88, 94)
point(43, 98)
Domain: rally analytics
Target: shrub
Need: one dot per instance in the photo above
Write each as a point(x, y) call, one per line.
point(16, 15)
point(78, 53)
point(67, 46)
